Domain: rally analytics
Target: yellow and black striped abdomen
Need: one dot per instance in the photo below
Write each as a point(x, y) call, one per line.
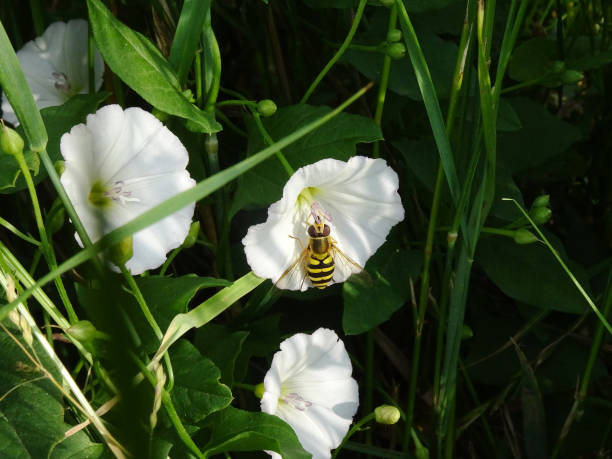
point(320, 268)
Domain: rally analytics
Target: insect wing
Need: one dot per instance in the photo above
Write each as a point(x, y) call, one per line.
point(345, 264)
point(294, 276)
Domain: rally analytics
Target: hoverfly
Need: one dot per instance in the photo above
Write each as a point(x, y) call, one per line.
point(320, 257)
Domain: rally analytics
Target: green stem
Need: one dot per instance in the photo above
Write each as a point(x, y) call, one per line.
point(339, 53)
point(13, 229)
point(369, 379)
point(38, 17)
point(269, 141)
point(169, 260)
point(149, 317)
point(170, 410)
point(384, 79)
point(244, 386)
point(356, 427)
point(45, 245)
point(457, 84)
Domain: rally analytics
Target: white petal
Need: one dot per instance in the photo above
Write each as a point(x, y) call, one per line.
point(309, 385)
point(361, 199)
point(60, 54)
point(141, 164)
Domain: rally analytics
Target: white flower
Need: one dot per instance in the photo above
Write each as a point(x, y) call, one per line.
point(357, 199)
point(56, 66)
point(310, 387)
point(119, 165)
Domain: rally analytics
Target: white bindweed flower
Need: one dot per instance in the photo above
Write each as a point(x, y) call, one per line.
point(310, 387)
point(355, 203)
point(56, 66)
point(119, 165)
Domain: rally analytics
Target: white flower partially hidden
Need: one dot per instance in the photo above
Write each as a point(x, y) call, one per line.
point(357, 200)
point(119, 165)
point(310, 387)
point(56, 66)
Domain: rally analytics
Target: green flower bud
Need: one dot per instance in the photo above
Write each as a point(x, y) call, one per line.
point(259, 390)
point(266, 107)
point(541, 201)
point(571, 76)
point(83, 331)
point(60, 167)
point(540, 215)
point(524, 236)
point(121, 252)
point(10, 142)
point(394, 35)
point(386, 414)
point(396, 50)
point(192, 235)
point(466, 332)
point(387, 3)
point(56, 221)
point(557, 67)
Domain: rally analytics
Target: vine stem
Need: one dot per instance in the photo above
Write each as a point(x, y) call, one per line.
point(339, 53)
point(356, 427)
point(45, 246)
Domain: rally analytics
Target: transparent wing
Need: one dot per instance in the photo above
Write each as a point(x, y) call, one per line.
point(294, 277)
point(346, 264)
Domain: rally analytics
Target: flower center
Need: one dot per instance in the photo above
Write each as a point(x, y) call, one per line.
point(296, 401)
point(101, 195)
point(307, 197)
point(60, 81)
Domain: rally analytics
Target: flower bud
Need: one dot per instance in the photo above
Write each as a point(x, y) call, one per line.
point(466, 332)
point(540, 215)
point(571, 76)
point(60, 167)
point(121, 252)
point(83, 331)
point(396, 50)
point(56, 221)
point(541, 201)
point(387, 3)
point(10, 142)
point(259, 390)
point(386, 414)
point(394, 35)
point(524, 236)
point(557, 67)
point(192, 235)
point(266, 107)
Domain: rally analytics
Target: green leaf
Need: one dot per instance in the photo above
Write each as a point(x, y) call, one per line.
point(167, 297)
point(31, 409)
point(534, 415)
point(58, 120)
point(263, 339)
point(421, 158)
point(507, 118)
point(337, 139)
point(222, 346)
point(237, 430)
point(417, 6)
point(542, 137)
point(536, 59)
point(187, 36)
point(141, 66)
point(197, 391)
point(369, 304)
point(79, 446)
point(531, 274)
point(440, 55)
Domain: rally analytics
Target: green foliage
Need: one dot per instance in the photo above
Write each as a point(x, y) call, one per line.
point(197, 392)
point(238, 430)
point(336, 139)
point(142, 67)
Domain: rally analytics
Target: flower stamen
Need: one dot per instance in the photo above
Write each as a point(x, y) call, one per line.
point(296, 401)
point(101, 196)
point(116, 193)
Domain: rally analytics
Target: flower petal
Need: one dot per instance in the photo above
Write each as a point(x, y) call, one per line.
point(359, 197)
point(137, 163)
point(56, 65)
point(309, 385)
